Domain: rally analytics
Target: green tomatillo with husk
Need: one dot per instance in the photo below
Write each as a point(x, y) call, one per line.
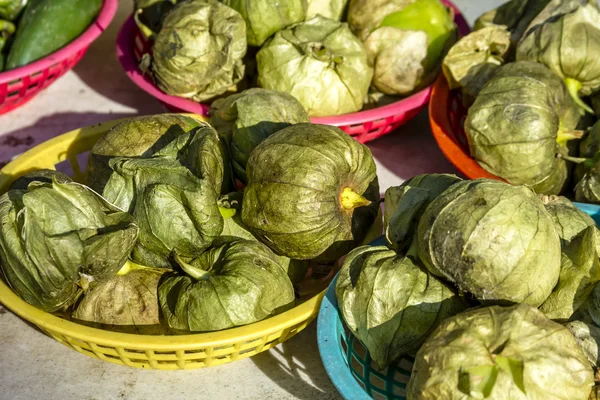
point(319, 62)
point(312, 192)
point(500, 353)
point(233, 283)
point(474, 59)
point(176, 211)
point(127, 303)
point(567, 44)
point(390, 302)
point(198, 53)
point(493, 240)
point(7, 29)
point(405, 204)
point(134, 137)
point(520, 121)
point(579, 273)
point(265, 17)
point(407, 46)
point(245, 119)
point(57, 238)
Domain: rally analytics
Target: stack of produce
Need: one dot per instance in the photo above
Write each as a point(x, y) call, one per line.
point(33, 29)
point(334, 56)
point(159, 240)
point(528, 76)
point(477, 282)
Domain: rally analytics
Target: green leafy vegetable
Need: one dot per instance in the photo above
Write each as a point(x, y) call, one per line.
point(500, 353)
point(319, 62)
point(390, 303)
point(198, 53)
point(265, 17)
point(312, 192)
point(176, 211)
point(236, 283)
point(244, 120)
point(493, 240)
point(57, 238)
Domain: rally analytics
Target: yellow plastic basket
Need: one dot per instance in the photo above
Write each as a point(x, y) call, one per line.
point(142, 351)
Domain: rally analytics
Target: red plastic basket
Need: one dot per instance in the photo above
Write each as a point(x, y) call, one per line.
point(19, 85)
point(447, 119)
point(364, 126)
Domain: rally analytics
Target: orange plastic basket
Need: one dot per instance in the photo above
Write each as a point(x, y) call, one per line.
point(447, 119)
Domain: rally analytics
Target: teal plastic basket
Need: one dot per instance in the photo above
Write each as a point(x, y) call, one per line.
point(347, 361)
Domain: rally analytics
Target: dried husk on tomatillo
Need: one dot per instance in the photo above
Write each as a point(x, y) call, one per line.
point(231, 284)
point(500, 353)
point(473, 60)
point(244, 120)
point(520, 121)
point(198, 53)
point(569, 221)
point(493, 240)
point(332, 9)
point(405, 204)
point(128, 302)
point(567, 44)
point(176, 211)
point(40, 175)
point(312, 192)
point(588, 339)
point(579, 273)
point(390, 302)
point(134, 137)
point(319, 62)
point(364, 16)
point(57, 238)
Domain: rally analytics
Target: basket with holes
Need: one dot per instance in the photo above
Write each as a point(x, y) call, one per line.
point(347, 361)
point(364, 126)
point(19, 85)
point(68, 153)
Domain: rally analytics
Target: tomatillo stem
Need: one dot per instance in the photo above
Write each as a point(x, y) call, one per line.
point(131, 266)
point(351, 200)
point(195, 272)
point(574, 86)
point(227, 213)
point(564, 136)
point(147, 32)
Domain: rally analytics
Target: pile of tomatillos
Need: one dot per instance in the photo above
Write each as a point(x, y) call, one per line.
point(161, 238)
point(32, 29)
point(492, 288)
point(334, 56)
point(530, 79)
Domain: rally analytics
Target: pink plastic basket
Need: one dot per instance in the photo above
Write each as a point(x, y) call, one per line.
point(19, 85)
point(364, 126)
